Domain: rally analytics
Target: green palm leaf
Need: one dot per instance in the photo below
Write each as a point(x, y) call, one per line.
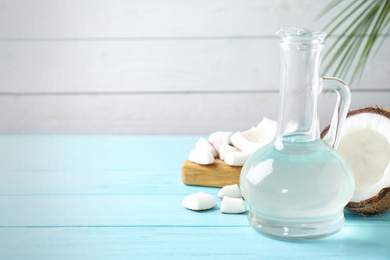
point(369, 21)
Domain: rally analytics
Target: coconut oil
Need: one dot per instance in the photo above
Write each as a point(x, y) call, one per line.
point(297, 190)
point(297, 186)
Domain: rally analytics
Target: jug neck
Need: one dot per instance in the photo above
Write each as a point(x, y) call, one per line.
point(299, 86)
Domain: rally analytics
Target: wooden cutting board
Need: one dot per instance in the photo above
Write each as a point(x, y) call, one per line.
point(218, 174)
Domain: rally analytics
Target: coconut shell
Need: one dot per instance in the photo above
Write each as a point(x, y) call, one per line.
point(381, 202)
point(373, 205)
point(369, 109)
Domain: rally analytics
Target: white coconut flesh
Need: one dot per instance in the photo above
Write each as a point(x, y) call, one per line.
point(256, 137)
point(365, 146)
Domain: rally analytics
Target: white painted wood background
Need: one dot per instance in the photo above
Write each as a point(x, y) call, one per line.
point(153, 67)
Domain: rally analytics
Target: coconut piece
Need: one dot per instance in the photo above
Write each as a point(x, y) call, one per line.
point(231, 191)
point(205, 145)
point(224, 149)
point(220, 137)
point(217, 147)
point(232, 205)
point(365, 146)
point(199, 201)
point(201, 157)
point(238, 158)
point(256, 137)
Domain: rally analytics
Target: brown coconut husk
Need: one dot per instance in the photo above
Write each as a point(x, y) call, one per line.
point(372, 206)
point(380, 202)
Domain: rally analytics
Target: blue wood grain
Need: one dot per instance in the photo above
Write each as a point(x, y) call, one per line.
point(88, 182)
point(126, 210)
point(185, 243)
point(108, 210)
point(94, 152)
point(119, 197)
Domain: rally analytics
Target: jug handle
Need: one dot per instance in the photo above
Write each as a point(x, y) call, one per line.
point(340, 111)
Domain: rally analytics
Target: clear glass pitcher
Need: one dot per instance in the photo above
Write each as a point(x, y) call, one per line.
point(297, 186)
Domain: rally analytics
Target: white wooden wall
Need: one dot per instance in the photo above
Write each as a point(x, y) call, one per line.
point(153, 66)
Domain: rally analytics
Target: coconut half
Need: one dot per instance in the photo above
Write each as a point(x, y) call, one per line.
point(365, 146)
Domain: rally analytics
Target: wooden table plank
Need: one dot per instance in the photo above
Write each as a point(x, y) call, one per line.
point(126, 210)
point(96, 182)
point(65, 153)
point(108, 210)
point(185, 243)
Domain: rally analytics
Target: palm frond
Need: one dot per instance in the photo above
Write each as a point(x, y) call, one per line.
point(355, 39)
point(348, 37)
point(367, 21)
point(375, 33)
point(344, 18)
point(383, 34)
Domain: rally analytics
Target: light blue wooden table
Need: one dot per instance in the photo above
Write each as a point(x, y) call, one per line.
point(119, 197)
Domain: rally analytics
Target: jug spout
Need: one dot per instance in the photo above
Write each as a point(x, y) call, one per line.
point(300, 38)
point(300, 83)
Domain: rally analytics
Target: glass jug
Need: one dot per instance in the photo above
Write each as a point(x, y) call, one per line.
point(297, 186)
